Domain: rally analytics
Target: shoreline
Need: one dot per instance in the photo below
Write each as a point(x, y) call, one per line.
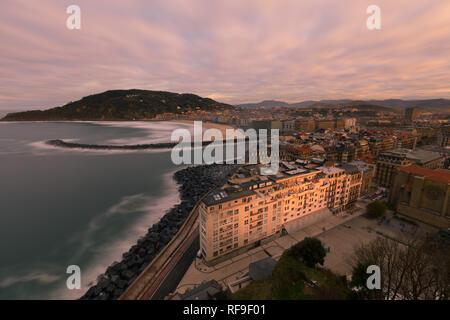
point(206, 124)
point(193, 183)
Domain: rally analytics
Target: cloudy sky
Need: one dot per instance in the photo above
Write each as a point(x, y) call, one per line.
point(234, 51)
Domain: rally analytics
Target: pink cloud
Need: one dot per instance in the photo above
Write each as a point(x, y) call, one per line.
point(234, 50)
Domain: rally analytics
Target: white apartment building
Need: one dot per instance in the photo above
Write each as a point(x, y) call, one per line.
point(250, 207)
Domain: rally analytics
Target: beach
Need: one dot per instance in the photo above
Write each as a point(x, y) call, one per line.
point(208, 125)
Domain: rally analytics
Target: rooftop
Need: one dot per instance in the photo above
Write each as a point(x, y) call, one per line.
point(205, 291)
point(418, 155)
point(261, 269)
point(220, 195)
point(440, 175)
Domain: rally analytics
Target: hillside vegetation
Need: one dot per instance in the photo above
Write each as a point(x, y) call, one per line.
point(297, 276)
point(122, 105)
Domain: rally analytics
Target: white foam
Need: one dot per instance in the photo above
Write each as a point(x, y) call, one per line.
point(110, 252)
point(43, 145)
point(41, 277)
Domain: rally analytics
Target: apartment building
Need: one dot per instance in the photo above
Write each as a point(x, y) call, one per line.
point(388, 162)
point(406, 141)
point(368, 172)
point(288, 127)
point(444, 139)
point(411, 114)
point(350, 123)
point(251, 208)
point(381, 144)
point(325, 124)
point(305, 125)
point(291, 152)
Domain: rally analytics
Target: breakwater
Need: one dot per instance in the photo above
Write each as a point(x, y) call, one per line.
point(71, 145)
point(194, 183)
point(163, 145)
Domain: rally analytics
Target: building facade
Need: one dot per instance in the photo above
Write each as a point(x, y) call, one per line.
point(388, 162)
point(443, 139)
point(411, 114)
point(422, 194)
point(305, 125)
point(250, 207)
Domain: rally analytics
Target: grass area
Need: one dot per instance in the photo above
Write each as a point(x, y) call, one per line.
point(256, 290)
point(292, 280)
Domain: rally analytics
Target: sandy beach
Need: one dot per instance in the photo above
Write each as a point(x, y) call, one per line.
point(208, 125)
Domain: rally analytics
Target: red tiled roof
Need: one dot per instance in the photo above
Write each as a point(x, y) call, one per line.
point(329, 164)
point(441, 175)
point(368, 158)
point(301, 149)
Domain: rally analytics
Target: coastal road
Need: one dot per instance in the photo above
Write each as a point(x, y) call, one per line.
point(151, 290)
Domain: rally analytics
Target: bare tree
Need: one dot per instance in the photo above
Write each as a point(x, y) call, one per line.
point(410, 270)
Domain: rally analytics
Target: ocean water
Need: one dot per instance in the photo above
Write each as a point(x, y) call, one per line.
point(61, 207)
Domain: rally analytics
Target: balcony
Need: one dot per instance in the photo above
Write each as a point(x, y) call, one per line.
point(258, 224)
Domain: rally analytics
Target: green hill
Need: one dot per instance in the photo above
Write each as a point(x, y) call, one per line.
point(131, 104)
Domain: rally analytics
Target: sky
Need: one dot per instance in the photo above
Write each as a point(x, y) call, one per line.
point(233, 51)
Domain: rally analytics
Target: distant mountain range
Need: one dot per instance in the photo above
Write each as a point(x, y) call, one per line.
point(430, 104)
point(131, 104)
point(135, 104)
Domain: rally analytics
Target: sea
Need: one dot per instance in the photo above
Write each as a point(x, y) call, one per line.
point(63, 207)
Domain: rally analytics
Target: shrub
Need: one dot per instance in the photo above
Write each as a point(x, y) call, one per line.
point(376, 209)
point(310, 251)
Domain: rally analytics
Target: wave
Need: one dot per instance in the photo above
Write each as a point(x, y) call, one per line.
point(44, 278)
point(155, 209)
point(157, 131)
point(45, 145)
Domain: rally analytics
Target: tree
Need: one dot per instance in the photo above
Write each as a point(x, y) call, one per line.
point(376, 209)
point(310, 251)
point(410, 270)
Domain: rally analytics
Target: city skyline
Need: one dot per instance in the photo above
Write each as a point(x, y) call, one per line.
point(233, 52)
